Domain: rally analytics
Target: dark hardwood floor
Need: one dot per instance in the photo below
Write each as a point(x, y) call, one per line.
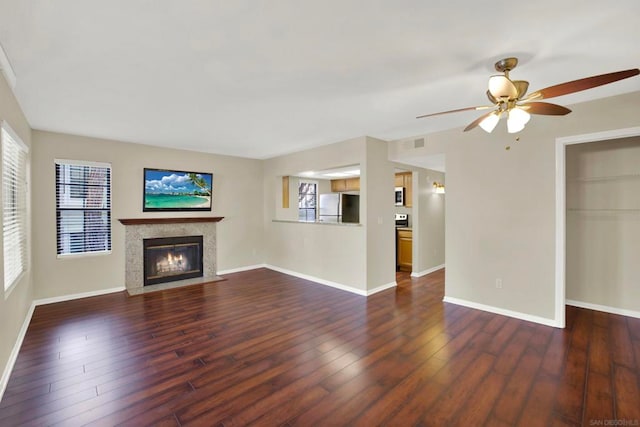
point(263, 348)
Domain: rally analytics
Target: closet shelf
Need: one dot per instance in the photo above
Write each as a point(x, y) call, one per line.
point(606, 178)
point(604, 210)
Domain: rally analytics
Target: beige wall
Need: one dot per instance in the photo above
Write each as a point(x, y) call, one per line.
point(332, 253)
point(377, 184)
point(237, 196)
point(429, 227)
point(15, 304)
point(500, 212)
point(361, 258)
point(603, 223)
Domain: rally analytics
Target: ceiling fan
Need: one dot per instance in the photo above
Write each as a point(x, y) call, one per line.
point(510, 100)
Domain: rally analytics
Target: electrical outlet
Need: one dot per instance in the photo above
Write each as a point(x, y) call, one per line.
point(499, 283)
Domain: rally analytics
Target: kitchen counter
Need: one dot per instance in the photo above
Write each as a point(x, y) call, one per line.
point(339, 224)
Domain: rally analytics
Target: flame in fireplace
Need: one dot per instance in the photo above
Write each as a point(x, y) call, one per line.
point(171, 263)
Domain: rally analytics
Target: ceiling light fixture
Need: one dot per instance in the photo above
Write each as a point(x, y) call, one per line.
point(516, 120)
point(501, 87)
point(490, 122)
point(349, 173)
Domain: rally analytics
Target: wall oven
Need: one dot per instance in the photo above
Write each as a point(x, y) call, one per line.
point(399, 196)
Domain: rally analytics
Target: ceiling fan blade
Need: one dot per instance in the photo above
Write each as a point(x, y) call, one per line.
point(545, 108)
point(477, 121)
point(483, 107)
point(582, 84)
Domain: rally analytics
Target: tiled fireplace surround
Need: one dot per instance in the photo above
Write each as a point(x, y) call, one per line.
point(138, 229)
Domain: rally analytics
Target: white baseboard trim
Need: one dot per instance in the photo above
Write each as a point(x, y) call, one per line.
point(318, 280)
point(382, 288)
point(503, 312)
point(605, 308)
point(70, 297)
point(427, 271)
point(4, 380)
point(239, 269)
point(312, 279)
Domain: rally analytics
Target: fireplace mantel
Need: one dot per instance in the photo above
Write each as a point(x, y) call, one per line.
point(183, 220)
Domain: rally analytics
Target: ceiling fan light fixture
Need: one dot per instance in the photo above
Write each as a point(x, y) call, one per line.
point(504, 94)
point(517, 119)
point(502, 88)
point(490, 122)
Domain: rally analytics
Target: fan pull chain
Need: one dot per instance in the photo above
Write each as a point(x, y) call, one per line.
point(508, 147)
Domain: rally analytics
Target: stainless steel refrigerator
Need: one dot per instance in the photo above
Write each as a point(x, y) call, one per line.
point(338, 207)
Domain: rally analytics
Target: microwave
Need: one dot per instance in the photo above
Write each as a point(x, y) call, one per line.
point(399, 196)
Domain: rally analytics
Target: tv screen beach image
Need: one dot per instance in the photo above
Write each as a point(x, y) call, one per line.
point(176, 190)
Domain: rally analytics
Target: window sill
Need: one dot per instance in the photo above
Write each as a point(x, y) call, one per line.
point(339, 224)
point(83, 255)
point(14, 285)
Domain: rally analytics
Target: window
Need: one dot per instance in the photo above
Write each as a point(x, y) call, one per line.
point(307, 200)
point(14, 205)
point(76, 178)
point(83, 207)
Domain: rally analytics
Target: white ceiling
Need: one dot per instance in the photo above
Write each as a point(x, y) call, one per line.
point(260, 78)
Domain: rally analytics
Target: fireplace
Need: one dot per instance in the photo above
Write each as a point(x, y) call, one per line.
point(139, 229)
point(168, 259)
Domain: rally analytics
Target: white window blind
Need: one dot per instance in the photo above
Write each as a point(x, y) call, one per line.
point(14, 205)
point(83, 207)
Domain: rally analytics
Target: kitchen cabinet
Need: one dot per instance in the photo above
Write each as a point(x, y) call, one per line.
point(340, 185)
point(285, 192)
point(405, 249)
point(353, 184)
point(405, 179)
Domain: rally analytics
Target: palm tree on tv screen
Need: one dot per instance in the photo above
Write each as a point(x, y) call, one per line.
point(199, 182)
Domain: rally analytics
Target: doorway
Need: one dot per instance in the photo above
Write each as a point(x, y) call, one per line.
point(561, 209)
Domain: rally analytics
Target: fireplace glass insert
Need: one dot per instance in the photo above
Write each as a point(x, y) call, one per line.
point(172, 258)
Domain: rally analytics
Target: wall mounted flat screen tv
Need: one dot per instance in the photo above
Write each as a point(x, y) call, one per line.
point(171, 190)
